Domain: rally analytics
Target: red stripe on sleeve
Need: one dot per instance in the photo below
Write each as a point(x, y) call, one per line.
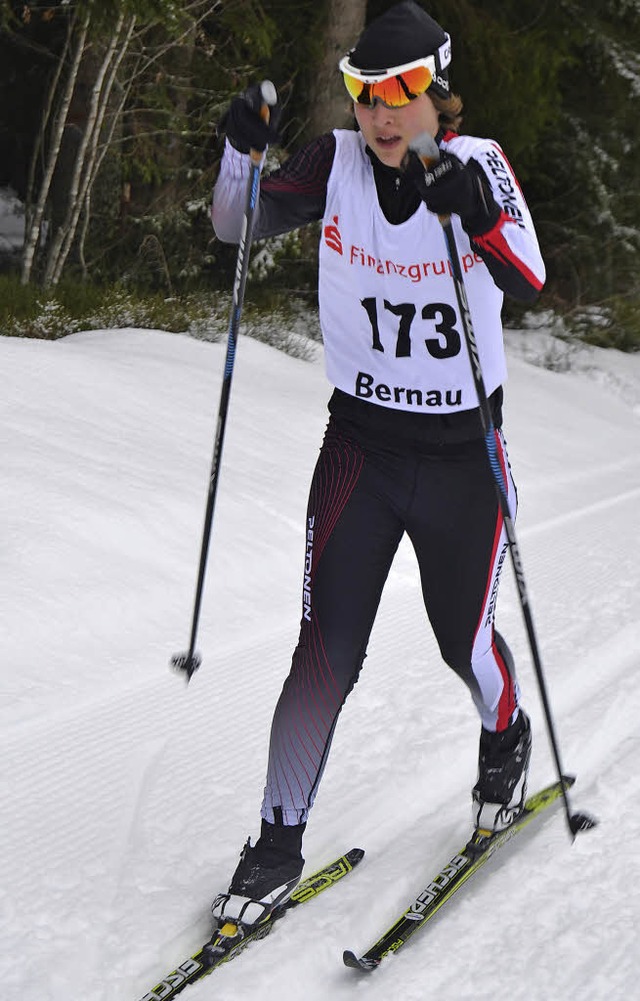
point(494, 243)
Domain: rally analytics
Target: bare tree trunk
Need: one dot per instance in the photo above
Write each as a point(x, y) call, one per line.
point(44, 125)
point(96, 164)
point(80, 117)
point(85, 168)
point(330, 106)
point(32, 233)
point(88, 157)
point(63, 237)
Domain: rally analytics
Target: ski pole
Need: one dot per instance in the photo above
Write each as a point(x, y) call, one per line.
point(427, 149)
point(190, 661)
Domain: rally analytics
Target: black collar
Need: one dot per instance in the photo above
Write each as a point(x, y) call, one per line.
point(397, 194)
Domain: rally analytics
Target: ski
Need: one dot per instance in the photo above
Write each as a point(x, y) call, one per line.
point(222, 948)
point(449, 879)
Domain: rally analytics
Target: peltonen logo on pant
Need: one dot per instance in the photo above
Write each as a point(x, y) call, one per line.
point(332, 236)
point(491, 607)
point(308, 563)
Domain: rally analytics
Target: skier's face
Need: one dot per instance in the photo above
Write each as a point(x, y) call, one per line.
point(388, 131)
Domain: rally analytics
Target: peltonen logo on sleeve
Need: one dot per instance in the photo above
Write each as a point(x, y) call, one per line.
point(507, 184)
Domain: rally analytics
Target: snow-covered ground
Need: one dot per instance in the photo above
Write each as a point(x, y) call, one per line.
point(127, 794)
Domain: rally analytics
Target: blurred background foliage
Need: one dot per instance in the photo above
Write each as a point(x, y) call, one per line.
point(556, 82)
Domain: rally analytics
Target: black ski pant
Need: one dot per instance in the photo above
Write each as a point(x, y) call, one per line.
point(363, 498)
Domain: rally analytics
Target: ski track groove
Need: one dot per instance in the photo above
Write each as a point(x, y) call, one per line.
point(588, 510)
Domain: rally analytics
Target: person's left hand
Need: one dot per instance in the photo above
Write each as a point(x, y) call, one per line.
point(449, 186)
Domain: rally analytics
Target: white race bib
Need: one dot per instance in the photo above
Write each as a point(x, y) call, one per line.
point(391, 326)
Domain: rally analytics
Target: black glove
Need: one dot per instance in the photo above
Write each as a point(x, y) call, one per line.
point(243, 125)
point(451, 186)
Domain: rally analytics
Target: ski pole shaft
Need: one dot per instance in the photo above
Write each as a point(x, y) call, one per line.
point(427, 149)
point(190, 661)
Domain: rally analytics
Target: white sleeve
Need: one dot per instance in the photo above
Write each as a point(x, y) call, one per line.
point(510, 248)
point(230, 195)
point(515, 245)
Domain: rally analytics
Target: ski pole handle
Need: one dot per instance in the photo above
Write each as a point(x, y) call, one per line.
point(269, 100)
point(425, 146)
point(428, 151)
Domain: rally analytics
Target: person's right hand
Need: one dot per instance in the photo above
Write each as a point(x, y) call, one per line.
point(244, 127)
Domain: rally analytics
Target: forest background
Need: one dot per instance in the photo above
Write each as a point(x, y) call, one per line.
point(108, 149)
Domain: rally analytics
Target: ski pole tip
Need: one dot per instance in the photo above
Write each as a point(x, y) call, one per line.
point(186, 663)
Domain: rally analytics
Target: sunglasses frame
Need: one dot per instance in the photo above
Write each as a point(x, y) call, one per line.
point(380, 75)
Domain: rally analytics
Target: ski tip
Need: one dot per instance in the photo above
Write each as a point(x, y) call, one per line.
point(350, 959)
point(355, 855)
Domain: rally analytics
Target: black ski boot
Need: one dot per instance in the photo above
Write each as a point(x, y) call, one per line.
point(266, 876)
point(503, 766)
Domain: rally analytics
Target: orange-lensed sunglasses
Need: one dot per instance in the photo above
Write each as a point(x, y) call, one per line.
point(395, 87)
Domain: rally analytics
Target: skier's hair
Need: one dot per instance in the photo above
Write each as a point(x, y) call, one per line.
point(449, 110)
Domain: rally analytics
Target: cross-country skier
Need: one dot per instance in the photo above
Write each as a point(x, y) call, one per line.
point(404, 448)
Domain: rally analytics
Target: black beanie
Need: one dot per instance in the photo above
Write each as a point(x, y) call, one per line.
point(401, 35)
